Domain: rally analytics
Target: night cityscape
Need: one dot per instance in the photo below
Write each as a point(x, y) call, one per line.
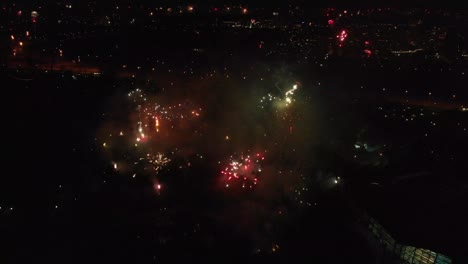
point(233, 132)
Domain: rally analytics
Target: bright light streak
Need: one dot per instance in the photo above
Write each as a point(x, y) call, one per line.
point(289, 93)
point(157, 123)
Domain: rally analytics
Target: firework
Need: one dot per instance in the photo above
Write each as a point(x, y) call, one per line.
point(151, 115)
point(277, 101)
point(243, 171)
point(267, 100)
point(156, 120)
point(288, 96)
point(138, 145)
point(158, 161)
point(342, 37)
point(157, 187)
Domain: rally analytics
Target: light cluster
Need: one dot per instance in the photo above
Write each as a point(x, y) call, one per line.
point(243, 171)
point(140, 147)
point(278, 101)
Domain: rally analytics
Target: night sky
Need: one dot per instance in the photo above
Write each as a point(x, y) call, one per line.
point(190, 132)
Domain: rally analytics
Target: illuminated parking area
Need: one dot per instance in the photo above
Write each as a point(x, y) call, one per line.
point(407, 254)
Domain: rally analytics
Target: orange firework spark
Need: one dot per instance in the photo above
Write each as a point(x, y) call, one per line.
point(157, 123)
